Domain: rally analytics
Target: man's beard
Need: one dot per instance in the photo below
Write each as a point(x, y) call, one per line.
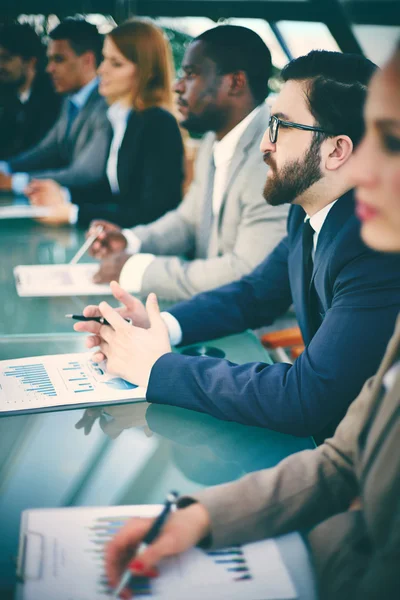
point(294, 178)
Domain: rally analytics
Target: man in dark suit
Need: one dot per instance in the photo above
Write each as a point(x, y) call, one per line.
point(346, 296)
point(29, 104)
point(76, 148)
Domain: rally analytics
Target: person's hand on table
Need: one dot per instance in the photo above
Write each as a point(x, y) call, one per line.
point(5, 182)
point(133, 309)
point(111, 267)
point(130, 351)
point(45, 192)
point(184, 529)
point(110, 241)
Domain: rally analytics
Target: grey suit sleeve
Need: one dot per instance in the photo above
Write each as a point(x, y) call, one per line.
point(46, 152)
point(300, 492)
point(173, 233)
point(89, 164)
point(260, 229)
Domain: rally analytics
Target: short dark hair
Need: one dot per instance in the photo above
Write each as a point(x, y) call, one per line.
point(81, 35)
point(336, 89)
point(20, 39)
point(234, 48)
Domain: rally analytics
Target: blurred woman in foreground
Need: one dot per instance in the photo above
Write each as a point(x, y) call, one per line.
point(144, 173)
point(346, 493)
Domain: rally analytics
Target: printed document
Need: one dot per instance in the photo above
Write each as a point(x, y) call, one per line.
point(24, 211)
point(59, 280)
point(46, 383)
point(61, 556)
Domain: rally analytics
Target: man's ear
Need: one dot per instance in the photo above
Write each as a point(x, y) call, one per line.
point(238, 83)
point(338, 150)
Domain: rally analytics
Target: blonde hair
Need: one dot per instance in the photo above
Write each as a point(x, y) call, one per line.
point(144, 44)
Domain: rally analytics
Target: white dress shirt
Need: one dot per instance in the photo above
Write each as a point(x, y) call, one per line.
point(118, 116)
point(19, 181)
point(134, 269)
point(316, 221)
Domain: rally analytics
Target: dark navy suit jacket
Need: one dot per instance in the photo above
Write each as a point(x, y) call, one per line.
point(356, 304)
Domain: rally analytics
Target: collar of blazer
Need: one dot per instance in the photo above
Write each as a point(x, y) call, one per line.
point(340, 215)
point(249, 140)
point(83, 113)
point(382, 413)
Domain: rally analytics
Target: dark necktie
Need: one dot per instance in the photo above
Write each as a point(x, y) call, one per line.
point(308, 264)
point(207, 215)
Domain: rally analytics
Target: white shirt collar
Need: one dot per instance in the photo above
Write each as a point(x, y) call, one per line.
point(80, 98)
point(317, 220)
point(225, 148)
point(24, 96)
point(118, 114)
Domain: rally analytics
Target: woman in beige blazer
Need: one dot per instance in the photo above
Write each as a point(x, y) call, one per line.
point(345, 494)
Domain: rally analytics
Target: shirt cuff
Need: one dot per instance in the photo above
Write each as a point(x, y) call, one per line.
point(66, 194)
point(19, 182)
point(5, 167)
point(174, 329)
point(133, 243)
point(73, 217)
point(131, 277)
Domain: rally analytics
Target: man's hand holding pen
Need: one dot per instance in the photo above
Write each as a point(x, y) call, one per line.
point(130, 350)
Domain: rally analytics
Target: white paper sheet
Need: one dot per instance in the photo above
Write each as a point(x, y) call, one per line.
point(24, 211)
point(61, 556)
point(58, 280)
point(60, 380)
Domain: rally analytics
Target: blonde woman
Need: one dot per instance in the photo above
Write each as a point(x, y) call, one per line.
point(144, 173)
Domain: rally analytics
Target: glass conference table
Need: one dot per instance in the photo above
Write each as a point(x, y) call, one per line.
point(130, 454)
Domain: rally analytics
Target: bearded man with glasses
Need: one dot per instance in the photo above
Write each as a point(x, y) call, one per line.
point(346, 296)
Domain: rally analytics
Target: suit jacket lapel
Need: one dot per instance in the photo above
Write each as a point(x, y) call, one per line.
point(252, 135)
point(82, 115)
point(382, 412)
point(334, 223)
point(128, 150)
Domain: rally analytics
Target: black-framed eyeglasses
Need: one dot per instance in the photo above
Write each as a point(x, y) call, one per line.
point(274, 124)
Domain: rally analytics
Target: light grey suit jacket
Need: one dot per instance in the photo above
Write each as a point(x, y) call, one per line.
point(356, 553)
point(245, 230)
point(78, 158)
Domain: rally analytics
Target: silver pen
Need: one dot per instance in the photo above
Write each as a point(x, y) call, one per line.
point(86, 245)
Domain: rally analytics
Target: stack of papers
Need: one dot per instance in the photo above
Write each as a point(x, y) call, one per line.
point(59, 280)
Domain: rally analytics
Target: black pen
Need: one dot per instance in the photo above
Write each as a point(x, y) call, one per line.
point(170, 504)
point(100, 320)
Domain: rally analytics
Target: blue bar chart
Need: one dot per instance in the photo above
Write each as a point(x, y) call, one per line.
point(34, 378)
point(101, 532)
point(78, 381)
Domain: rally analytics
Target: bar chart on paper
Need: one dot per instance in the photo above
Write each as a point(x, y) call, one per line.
point(62, 380)
point(251, 572)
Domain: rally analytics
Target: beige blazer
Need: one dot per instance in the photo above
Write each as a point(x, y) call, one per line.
point(356, 553)
point(243, 233)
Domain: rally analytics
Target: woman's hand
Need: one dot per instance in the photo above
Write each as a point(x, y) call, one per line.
point(184, 529)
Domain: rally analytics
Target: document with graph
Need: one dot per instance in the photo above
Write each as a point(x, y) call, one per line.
point(24, 211)
point(60, 381)
point(59, 280)
point(61, 556)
